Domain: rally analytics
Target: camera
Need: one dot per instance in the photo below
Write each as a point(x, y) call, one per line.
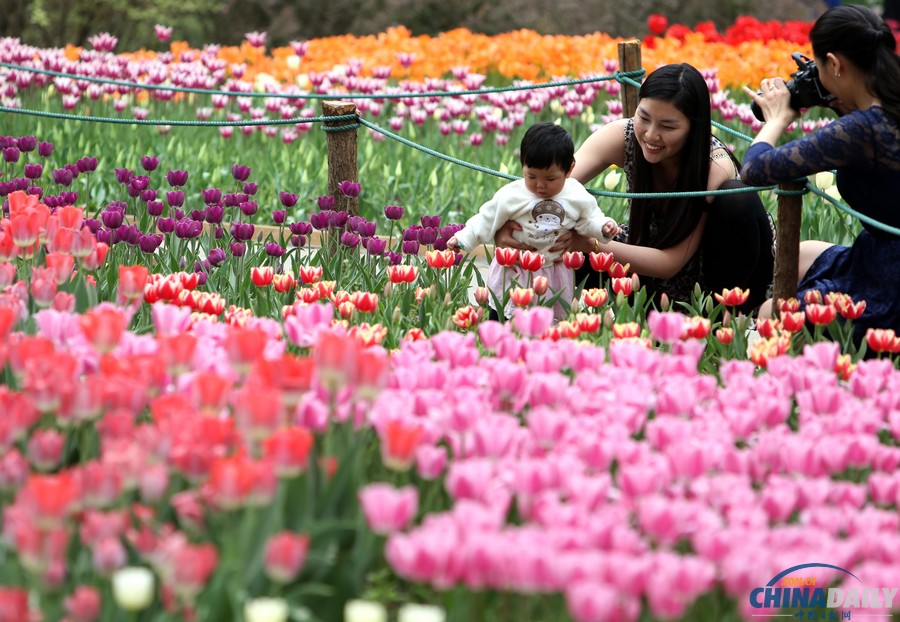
point(804, 86)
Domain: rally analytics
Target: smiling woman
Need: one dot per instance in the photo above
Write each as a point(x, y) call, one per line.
point(674, 243)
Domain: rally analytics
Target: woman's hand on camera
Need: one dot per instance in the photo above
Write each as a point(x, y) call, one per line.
point(504, 237)
point(774, 100)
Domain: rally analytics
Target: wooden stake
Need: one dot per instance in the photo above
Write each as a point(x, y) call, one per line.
point(629, 60)
point(342, 154)
point(787, 235)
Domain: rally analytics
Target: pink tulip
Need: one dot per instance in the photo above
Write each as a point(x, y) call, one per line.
point(83, 604)
point(285, 555)
point(170, 319)
point(45, 449)
point(388, 509)
point(665, 327)
point(533, 322)
point(491, 332)
point(109, 554)
point(470, 479)
point(431, 461)
point(594, 602)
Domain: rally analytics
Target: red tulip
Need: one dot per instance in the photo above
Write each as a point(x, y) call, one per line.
point(530, 261)
point(601, 262)
point(506, 257)
point(288, 450)
point(132, 280)
point(657, 24)
point(733, 297)
point(820, 314)
point(262, 276)
point(399, 442)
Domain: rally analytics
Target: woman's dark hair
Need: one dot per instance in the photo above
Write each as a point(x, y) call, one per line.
point(861, 36)
point(546, 144)
point(682, 86)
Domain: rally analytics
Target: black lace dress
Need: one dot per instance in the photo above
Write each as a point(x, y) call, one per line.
point(864, 147)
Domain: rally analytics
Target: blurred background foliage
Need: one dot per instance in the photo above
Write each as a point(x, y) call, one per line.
point(58, 22)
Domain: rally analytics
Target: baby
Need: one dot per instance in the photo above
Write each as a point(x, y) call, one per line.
point(545, 202)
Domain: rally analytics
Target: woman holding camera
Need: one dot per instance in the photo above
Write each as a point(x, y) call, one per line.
point(673, 243)
point(854, 51)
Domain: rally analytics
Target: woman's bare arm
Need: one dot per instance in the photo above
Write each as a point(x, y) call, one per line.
point(600, 150)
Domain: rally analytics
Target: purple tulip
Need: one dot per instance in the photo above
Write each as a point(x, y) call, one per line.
point(300, 228)
point(175, 198)
point(366, 229)
point(426, 235)
point(149, 163)
point(21, 183)
point(149, 195)
point(166, 225)
point(68, 198)
point(11, 154)
point(211, 195)
point(350, 240)
point(376, 246)
point(338, 220)
point(411, 233)
point(105, 236)
point(274, 249)
point(251, 188)
point(440, 244)
point(129, 234)
point(178, 213)
point(150, 242)
point(112, 218)
point(238, 249)
point(393, 212)
point(198, 214)
point(202, 272)
point(187, 228)
point(36, 191)
point(220, 232)
point(450, 230)
point(242, 231)
point(248, 208)
point(279, 216)
point(431, 221)
point(231, 200)
point(177, 178)
point(394, 259)
point(7, 141)
point(26, 144)
point(410, 247)
point(86, 165)
point(124, 175)
point(133, 190)
point(214, 214)
point(5, 190)
point(34, 171)
point(350, 189)
point(287, 199)
point(155, 208)
point(141, 182)
point(319, 220)
point(354, 221)
point(62, 177)
point(325, 202)
point(73, 169)
point(240, 172)
point(45, 149)
point(50, 201)
point(298, 241)
point(93, 224)
point(216, 256)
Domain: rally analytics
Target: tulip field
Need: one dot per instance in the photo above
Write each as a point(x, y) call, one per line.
point(228, 393)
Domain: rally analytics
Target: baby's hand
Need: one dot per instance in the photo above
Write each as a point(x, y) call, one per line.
point(610, 230)
point(452, 244)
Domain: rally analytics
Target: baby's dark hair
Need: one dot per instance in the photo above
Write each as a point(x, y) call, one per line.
point(546, 144)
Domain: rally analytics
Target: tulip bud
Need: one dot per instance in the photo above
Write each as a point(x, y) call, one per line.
point(664, 303)
point(266, 610)
point(388, 289)
point(395, 317)
point(726, 319)
point(541, 285)
point(482, 295)
point(364, 611)
point(709, 305)
point(635, 282)
point(133, 588)
point(609, 318)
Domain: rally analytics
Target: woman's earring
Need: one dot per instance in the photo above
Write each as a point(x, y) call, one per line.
point(837, 75)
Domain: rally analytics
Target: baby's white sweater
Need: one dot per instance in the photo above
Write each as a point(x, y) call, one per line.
point(514, 202)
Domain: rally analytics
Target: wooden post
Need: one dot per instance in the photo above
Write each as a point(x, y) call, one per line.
point(342, 154)
point(787, 235)
point(629, 60)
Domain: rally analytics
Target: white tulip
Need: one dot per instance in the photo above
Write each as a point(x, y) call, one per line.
point(421, 613)
point(824, 180)
point(266, 610)
point(612, 179)
point(364, 611)
point(133, 588)
point(832, 191)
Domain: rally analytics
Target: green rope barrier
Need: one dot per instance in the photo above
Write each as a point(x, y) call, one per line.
point(432, 152)
point(179, 122)
point(341, 128)
point(183, 89)
point(732, 131)
point(846, 208)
